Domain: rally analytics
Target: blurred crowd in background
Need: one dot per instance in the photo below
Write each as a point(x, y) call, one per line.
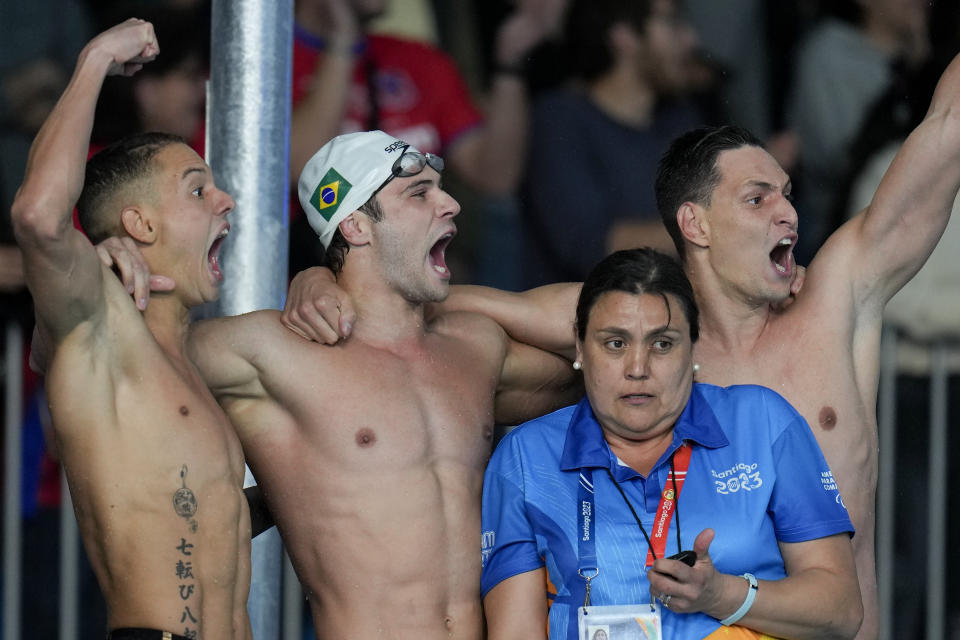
point(551, 115)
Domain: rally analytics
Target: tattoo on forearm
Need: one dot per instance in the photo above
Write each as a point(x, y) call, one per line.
point(184, 502)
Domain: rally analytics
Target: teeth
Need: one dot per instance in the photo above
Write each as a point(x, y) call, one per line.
point(786, 242)
point(440, 269)
point(780, 268)
point(223, 234)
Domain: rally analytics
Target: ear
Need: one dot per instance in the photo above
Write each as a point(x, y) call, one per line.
point(693, 223)
point(138, 223)
point(356, 229)
point(579, 357)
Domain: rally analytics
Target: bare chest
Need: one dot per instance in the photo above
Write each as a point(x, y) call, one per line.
point(814, 371)
point(157, 416)
point(395, 412)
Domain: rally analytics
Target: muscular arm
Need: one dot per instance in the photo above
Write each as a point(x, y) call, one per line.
point(887, 243)
point(542, 317)
point(61, 267)
point(534, 382)
point(517, 607)
point(222, 350)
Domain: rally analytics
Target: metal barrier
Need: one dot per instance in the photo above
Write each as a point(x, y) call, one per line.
point(13, 421)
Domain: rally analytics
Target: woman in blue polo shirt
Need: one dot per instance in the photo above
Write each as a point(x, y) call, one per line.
point(583, 508)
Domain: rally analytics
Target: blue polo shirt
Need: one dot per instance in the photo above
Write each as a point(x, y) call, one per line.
point(756, 476)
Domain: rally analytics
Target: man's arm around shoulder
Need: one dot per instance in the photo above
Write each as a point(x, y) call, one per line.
point(542, 317)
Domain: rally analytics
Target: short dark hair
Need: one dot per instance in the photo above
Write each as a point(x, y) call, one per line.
point(116, 166)
point(638, 271)
point(336, 253)
point(587, 32)
point(688, 171)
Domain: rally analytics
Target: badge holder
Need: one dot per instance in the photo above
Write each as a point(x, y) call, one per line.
point(617, 622)
point(620, 622)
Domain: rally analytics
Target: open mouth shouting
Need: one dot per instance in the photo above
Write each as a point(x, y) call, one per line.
point(213, 255)
point(438, 251)
point(782, 256)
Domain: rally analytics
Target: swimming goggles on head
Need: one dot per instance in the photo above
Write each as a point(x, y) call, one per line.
point(410, 163)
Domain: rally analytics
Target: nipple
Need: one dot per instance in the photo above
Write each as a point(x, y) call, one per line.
point(827, 418)
point(366, 437)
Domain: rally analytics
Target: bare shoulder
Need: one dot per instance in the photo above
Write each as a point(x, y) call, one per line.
point(239, 333)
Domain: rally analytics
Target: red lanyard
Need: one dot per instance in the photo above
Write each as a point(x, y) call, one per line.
point(657, 541)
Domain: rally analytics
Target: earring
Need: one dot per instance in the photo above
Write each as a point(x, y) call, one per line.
point(576, 365)
point(696, 368)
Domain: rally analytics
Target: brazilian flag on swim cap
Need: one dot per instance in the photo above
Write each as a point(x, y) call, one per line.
point(328, 195)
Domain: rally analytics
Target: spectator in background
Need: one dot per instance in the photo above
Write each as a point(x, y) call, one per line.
point(843, 66)
point(346, 80)
point(39, 42)
point(168, 95)
point(596, 142)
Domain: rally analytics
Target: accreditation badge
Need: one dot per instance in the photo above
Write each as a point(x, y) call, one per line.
point(620, 622)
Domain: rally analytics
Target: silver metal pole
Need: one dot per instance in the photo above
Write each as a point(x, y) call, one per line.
point(248, 148)
point(69, 565)
point(12, 475)
point(937, 507)
point(886, 485)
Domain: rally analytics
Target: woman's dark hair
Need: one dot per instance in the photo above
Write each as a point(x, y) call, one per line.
point(638, 271)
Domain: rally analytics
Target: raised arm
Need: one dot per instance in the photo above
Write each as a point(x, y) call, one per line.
point(61, 267)
point(888, 242)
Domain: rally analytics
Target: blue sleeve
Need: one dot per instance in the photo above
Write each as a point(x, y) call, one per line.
point(805, 503)
point(508, 544)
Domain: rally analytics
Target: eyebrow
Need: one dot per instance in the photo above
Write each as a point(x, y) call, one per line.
point(767, 185)
point(419, 183)
point(191, 170)
point(614, 330)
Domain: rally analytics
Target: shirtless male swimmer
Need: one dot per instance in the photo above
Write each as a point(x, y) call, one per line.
point(371, 453)
point(154, 467)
